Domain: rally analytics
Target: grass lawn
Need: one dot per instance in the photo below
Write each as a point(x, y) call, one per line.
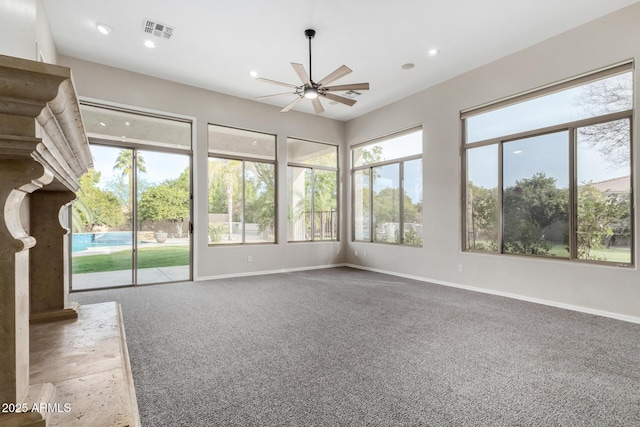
point(157, 256)
point(610, 255)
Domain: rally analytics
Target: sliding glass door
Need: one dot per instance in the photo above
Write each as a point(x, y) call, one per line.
point(163, 212)
point(131, 223)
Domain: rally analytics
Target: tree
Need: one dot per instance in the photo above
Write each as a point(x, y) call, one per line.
point(96, 207)
point(609, 95)
point(227, 176)
point(120, 186)
point(372, 154)
point(124, 164)
point(324, 201)
point(261, 205)
point(386, 209)
point(530, 208)
point(483, 219)
point(168, 201)
point(600, 216)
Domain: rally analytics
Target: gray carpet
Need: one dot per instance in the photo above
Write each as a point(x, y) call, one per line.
point(347, 347)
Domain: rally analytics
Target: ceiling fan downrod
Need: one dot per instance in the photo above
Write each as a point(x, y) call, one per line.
point(310, 34)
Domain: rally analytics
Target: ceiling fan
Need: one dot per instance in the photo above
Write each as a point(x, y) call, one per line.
point(312, 90)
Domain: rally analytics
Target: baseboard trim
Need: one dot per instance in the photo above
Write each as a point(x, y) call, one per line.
point(587, 310)
point(277, 271)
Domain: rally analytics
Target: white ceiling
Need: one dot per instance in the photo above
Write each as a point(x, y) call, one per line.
point(216, 43)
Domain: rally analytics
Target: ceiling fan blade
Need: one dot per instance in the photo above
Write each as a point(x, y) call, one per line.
point(339, 72)
point(340, 99)
point(317, 105)
point(302, 73)
point(275, 82)
point(292, 104)
point(274, 95)
point(353, 86)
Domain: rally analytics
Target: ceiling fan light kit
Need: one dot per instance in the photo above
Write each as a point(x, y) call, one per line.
point(312, 90)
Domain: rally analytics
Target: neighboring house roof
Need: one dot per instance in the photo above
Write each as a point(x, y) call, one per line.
point(615, 185)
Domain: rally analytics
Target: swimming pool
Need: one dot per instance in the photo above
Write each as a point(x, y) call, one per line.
point(83, 241)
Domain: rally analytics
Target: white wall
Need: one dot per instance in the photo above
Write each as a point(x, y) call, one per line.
point(25, 31)
point(18, 28)
point(606, 41)
point(46, 47)
point(136, 90)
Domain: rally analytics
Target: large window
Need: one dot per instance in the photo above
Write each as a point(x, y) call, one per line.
point(548, 173)
point(387, 189)
point(242, 182)
point(313, 191)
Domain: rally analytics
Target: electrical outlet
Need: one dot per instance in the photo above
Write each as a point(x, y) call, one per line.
point(356, 252)
point(460, 267)
point(249, 258)
point(364, 254)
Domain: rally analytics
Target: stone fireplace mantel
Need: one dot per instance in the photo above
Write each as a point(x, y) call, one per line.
point(43, 152)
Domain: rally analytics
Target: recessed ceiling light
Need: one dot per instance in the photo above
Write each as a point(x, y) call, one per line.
point(253, 74)
point(517, 152)
point(103, 124)
point(433, 52)
point(149, 44)
point(408, 66)
point(104, 28)
point(127, 123)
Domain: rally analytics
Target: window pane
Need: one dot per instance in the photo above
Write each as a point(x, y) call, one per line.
point(608, 95)
point(325, 205)
point(405, 145)
point(536, 195)
point(225, 201)
point(604, 192)
point(259, 219)
point(299, 183)
point(112, 125)
point(412, 234)
point(312, 153)
point(386, 203)
point(102, 239)
point(361, 207)
point(482, 219)
point(238, 142)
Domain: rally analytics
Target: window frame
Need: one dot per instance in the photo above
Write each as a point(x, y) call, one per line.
point(243, 159)
point(313, 168)
point(572, 128)
point(400, 161)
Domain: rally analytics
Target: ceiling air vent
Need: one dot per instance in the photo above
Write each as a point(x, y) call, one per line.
point(352, 94)
point(157, 29)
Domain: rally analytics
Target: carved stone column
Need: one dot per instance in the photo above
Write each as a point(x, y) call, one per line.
point(43, 149)
point(19, 178)
point(49, 257)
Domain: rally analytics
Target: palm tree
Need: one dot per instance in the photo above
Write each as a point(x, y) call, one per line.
point(229, 173)
point(124, 163)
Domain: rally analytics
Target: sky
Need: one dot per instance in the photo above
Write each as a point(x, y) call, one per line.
point(160, 166)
